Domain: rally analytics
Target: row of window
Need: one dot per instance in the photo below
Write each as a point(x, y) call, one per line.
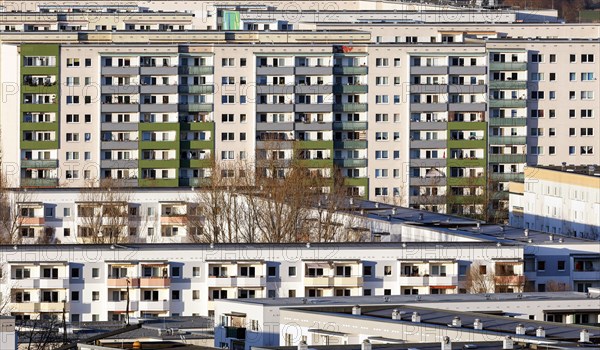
point(537, 132)
point(583, 58)
point(583, 150)
point(583, 113)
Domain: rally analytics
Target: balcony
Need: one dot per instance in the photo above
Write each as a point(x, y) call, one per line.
point(120, 107)
point(350, 144)
point(428, 162)
point(196, 70)
point(267, 70)
point(313, 126)
point(508, 103)
point(350, 281)
point(350, 107)
point(428, 107)
point(58, 283)
point(120, 145)
point(158, 89)
point(196, 107)
point(39, 163)
point(351, 163)
point(318, 281)
point(122, 282)
point(467, 70)
point(109, 70)
point(315, 144)
point(179, 220)
point(429, 88)
point(29, 182)
point(147, 305)
point(153, 70)
point(313, 108)
point(467, 107)
point(313, 70)
point(276, 89)
point(467, 89)
point(315, 163)
point(431, 125)
point(507, 140)
point(50, 307)
point(158, 163)
point(508, 84)
point(424, 143)
point(313, 89)
point(509, 280)
point(196, 89)
point(509, 66)
point(34, 221)
point(195, 163)
point(350, 89)
point(120, 89)
point(121, 306)
point(194, 182)
point(593, 275)
point(275, 107)
point(155, 282)
point(350, 126)
point(119, 126)
point(507, 158)
point(119, 163)
point(508, 121)
point(262, 126)
point(247, 281)
point(159, 107)
point(506, 177)
point(347, 70)
point(197, 126)
point(424, 281)
point(428, 181)
point(429, 70)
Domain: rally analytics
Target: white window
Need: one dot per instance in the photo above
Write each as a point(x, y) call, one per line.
point(72, 81)
point(381, 99)
point(379, 173)
point(227, 155)
point(381, 81)
point(587, 76)
point(72, 155)
point(381, 136)
point(396, 62)
point(382, 62)
point(72, 100)
point(587, 150)
point(227, 136)
point(587, 95)
point(72, 62)
point(536, 150)
point(381, 117)
point(228, 99)
point(381, 154)
point(72, 118)
point(381, 191)
point(72, 174)
point(72, 137)
point(227, 62)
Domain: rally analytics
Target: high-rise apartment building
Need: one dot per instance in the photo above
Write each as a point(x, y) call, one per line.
point(432, 116)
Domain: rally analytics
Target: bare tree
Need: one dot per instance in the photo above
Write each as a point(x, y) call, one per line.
point(11, 218)
point(41, 334)
point(5, 290)
point(103, 212)
point(480, 279)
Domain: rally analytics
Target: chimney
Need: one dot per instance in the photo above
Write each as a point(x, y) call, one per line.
point(351, 201)
point(540, 332)
point(416, 318)
point(456, 322)
point(507, 343)
point(477, 324)
point(526, 232)
point(551, 237)
point(302, 345)
point(446, 343)
point(356, 310)
point(396, 315)
point(394, 211)
point(591, 169)
point(584, 336)
point(564, 166)
point(366, 345)
point(520, 329)
point(376, 205)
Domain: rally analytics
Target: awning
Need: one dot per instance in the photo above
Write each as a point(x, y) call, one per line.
point(235, 314)
point(155, 265)
point(317, 265)
point(324, 332)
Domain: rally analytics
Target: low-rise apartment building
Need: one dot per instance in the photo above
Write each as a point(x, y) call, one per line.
point(559, 200)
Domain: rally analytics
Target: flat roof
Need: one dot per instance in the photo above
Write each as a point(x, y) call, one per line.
point(402, 299)
point(592, 170)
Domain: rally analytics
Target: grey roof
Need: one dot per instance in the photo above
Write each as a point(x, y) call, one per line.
point(587, 170)
point(402, 299)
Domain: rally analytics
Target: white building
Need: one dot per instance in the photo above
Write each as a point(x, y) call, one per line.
point(560, 200)
point(8, 336)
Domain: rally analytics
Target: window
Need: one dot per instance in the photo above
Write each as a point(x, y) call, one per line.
point(72, 62)
point(272, 271)
point(88, 62)
point(72, 137)
point(387, 270)
point(552, 132)
point(381, 154)
point(552, 58)
point(571, 150)
point(74, 296)
point(95, 295)
point(195, 294)
point(552, 95)
point(228, 99)
point(72, 81)
point(381, 191)
point(483, 270)
point(572, 76)
point(227, 62)
point(537, 95)
point(537, 58)
point(552, 150)
point(587, 113)
point(367, 270)
point(381, 99)
point(175, 295)
point(396, 62)
point(271, 293)
point(227, 155)
point(381, 117)
point(537, 76)
point(561, 265)
point(66, 232)
point(541, 265)
point(587, 95)
point(381, 136)
point(72, 118)
point(292, 271)
point(587, 131)
point(572, 58)
point(87, 118)
point(587, 58)
point(196, 271)
point(227, 118)
point(571, 95)
point(588, 76)
point(227, 136)
point(535, 150)
point(72, 100)
point(95, 272)
point(381, 80)
point(176, 271)
point(381, 62)
point(242, 136)
point(552, 76)
point(586, 150)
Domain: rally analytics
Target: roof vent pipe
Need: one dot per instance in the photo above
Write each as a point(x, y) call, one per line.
point(302, 345)
point(416, 318)
point(356, 310)
point(456, 322)
point(446, 343)
point(366, 345)
point(584, 336)
point(507, 343)
point(477, 324)
point(396, 314)
point(540, 332)
point(520, 329)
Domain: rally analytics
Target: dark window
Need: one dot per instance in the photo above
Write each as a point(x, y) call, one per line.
point(561, 265)
point(541, 265)
point(292, 271)
point(272, 271)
